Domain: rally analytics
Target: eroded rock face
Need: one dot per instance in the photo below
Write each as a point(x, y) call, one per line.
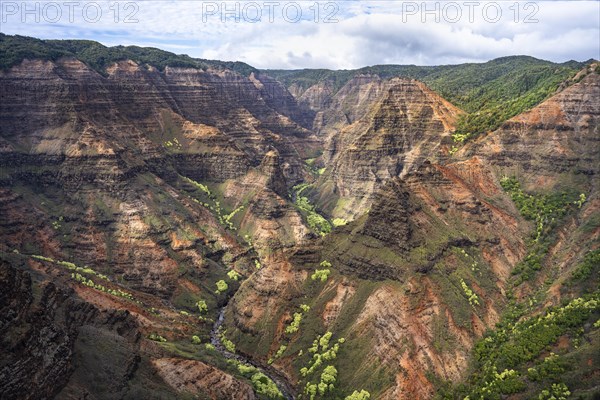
point(193, 377)
point(388, 220)
point(403, 124)
point(107, 152)
point(557, 138)
point(93, 171)
point(84, 127)
point(271, 167)
point(40, 328)
point(398, 293)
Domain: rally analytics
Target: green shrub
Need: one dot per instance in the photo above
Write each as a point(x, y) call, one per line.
point(471, 296)
point(233, 275)
point(591, 263)
point(294, 326)
point(247, 370)
point(321, 274)
point(202, 306)
point(156, 337)
point(221, 286)
point(339, 222)
point(265, 386)
point(356, 395)
point(228, 344)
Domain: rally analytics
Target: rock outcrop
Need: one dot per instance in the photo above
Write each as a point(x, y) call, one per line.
point(193, 377)
point(402, 124)
point(558, 138)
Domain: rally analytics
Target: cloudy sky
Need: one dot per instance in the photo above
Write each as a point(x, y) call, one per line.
point(310, 34)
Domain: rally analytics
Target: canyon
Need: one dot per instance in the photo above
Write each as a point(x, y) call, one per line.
point(159, 218)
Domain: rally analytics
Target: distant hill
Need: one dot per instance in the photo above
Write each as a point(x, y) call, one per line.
point(15, 49)
point(490, 92)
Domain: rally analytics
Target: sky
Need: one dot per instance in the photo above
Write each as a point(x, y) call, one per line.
point(322, 34)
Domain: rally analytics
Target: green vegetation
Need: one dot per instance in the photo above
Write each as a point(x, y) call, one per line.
point(278, 354)
point(590, 265)
point(233, 275)
point(16, 48)
point(499, 101)
point(246, 369)
point(315, 221)
point(294, 326)
point(579, 202)
point(517, 343)
point(209, 347)
point(227, 218)
point(173, 144)
point(196, 340)
point(323, 357)
point(199, 186)
point(156, 337)
point(262, 384)
point(558, 391)
point(315, 170)
point(322, 274)
point(90, 283)
point(304, 308)
point(207, 199)
point(77, 272)
point(221, 286)
point(202, 306)
point(490, 92)
point(265, 386)
point(356, 395)
point(42, 258)
point(532, 351)
point(72, 267)
point(471, 296)
point(56, 225)
point(545, 211)
point(228, 344)
point(339, 222)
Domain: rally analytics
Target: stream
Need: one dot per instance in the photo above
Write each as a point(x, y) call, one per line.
point(282, 384)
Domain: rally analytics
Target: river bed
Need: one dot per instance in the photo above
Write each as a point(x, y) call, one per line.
point(282, 383)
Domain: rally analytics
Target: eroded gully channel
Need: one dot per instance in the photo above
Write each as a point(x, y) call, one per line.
point(282, 383)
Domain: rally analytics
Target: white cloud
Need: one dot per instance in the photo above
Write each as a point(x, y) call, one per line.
point(368, 32)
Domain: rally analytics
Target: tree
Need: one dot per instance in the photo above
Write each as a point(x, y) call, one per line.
point(202, 307)
point(221, 286)
point(356, 395)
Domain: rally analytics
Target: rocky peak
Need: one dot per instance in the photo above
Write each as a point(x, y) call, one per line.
point(270, 166)
point(405, 125)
